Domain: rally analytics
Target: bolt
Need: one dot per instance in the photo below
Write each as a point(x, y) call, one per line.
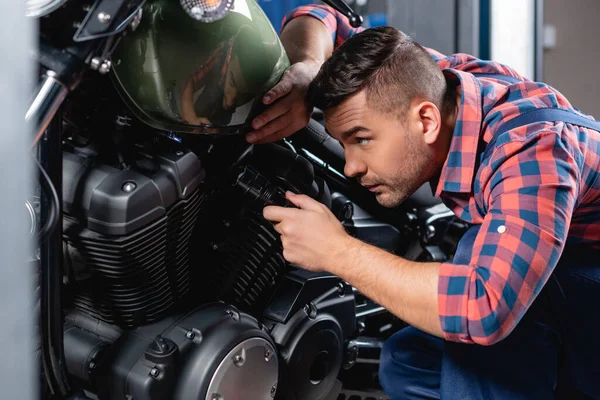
point(216, 396)
point(430, 232)
point(214, 246)
point(128, 187)
point(190, 335)
point(238, 360)
point(361, 327)
point(154, 372)
point(104, 18)
point(341, 289)
point(227, 224)
point(179, 153)
point(92, 365)
point(105, 67)
point(310, 310)
point(267, 355)
point(95, 63)
point(234, 315)
point(273, 390)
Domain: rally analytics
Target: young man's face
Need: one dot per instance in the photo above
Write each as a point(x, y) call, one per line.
point(385, 154)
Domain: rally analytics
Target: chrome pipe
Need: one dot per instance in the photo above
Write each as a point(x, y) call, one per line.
point(50, 95)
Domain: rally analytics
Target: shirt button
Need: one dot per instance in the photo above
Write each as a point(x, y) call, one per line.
point(501, 229)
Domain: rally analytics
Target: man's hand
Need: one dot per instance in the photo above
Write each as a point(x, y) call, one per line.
point(310, 234)
point(287, 112)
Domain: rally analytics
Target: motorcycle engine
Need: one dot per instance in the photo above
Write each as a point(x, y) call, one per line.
point(176, 285)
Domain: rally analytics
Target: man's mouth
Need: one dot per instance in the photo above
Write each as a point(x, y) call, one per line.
point(372, 188)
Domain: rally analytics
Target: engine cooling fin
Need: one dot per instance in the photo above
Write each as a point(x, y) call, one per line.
point(239, 257)
point(137, 278)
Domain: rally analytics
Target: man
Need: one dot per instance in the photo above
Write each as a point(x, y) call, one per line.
point(517, 307)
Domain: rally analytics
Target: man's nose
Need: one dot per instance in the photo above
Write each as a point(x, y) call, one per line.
point(354, 167)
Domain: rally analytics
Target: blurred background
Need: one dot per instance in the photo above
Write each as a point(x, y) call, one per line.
point(554, 41)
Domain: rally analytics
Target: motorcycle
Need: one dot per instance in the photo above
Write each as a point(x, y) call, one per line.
point(158, 276)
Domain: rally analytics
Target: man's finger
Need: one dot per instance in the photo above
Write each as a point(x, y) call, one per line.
point(304, 202)
point(269, 129)
point(276, 110)
point(276, 213)
point(283, 87)
point(283, 133)
point(277, 228)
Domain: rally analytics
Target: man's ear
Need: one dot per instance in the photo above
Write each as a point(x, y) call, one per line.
point(429, 119)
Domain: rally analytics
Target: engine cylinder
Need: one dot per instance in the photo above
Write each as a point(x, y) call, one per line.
point(128, 234)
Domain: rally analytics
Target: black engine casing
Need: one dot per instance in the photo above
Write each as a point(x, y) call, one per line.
point(176, 358)
point(127, 234)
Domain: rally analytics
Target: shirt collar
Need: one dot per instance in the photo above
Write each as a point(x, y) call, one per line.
point(459, 167)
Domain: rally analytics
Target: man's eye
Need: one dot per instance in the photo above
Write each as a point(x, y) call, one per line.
point(363, 141)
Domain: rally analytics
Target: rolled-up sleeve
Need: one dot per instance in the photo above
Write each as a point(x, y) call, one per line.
point(529, 186)
point(340, 29)
point(336, 23)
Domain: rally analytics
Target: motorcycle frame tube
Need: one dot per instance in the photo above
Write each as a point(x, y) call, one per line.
point(51, 257)
point(50, 95)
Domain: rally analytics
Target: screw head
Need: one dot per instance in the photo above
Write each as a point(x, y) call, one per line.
point(273, 390)
point(341, 289)
point(128, 187)
point(238, 360)
point(190, 335)
point(104, 18)
point(154, 372)
point(430, 233)
point(92, 365)
point(361, 327)
point(179, 153)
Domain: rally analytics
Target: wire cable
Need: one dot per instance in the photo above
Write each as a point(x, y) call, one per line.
point(53, 203)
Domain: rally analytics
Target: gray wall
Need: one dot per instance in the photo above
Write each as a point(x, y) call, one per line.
point(573, 66)
point(18, 373)
point(449, 26)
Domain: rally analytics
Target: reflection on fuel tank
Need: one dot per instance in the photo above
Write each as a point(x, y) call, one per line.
point(228, 79)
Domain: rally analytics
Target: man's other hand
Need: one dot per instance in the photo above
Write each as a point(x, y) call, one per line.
point(310, 234)
point(287, 112)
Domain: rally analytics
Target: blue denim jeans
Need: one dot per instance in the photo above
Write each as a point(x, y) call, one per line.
point(554, 349)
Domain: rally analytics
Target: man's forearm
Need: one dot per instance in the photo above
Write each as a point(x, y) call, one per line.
point(306, 39)
point(407, 289)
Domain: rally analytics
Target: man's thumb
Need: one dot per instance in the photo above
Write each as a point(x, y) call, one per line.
point(303, 201)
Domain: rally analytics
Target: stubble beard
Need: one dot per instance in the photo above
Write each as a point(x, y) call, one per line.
point(415, 174)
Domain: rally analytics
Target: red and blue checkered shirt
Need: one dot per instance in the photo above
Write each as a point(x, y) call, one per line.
point(534, 191)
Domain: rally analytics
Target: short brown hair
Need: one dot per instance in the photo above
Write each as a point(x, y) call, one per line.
point(388, 64)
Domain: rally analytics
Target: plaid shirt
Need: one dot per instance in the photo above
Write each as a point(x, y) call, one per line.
point(534, 190)
point(218, 58)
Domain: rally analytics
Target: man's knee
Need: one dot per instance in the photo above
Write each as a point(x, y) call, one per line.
point(410, 365)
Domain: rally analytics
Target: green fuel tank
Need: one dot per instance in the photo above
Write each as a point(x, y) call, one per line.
point(179, 74)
